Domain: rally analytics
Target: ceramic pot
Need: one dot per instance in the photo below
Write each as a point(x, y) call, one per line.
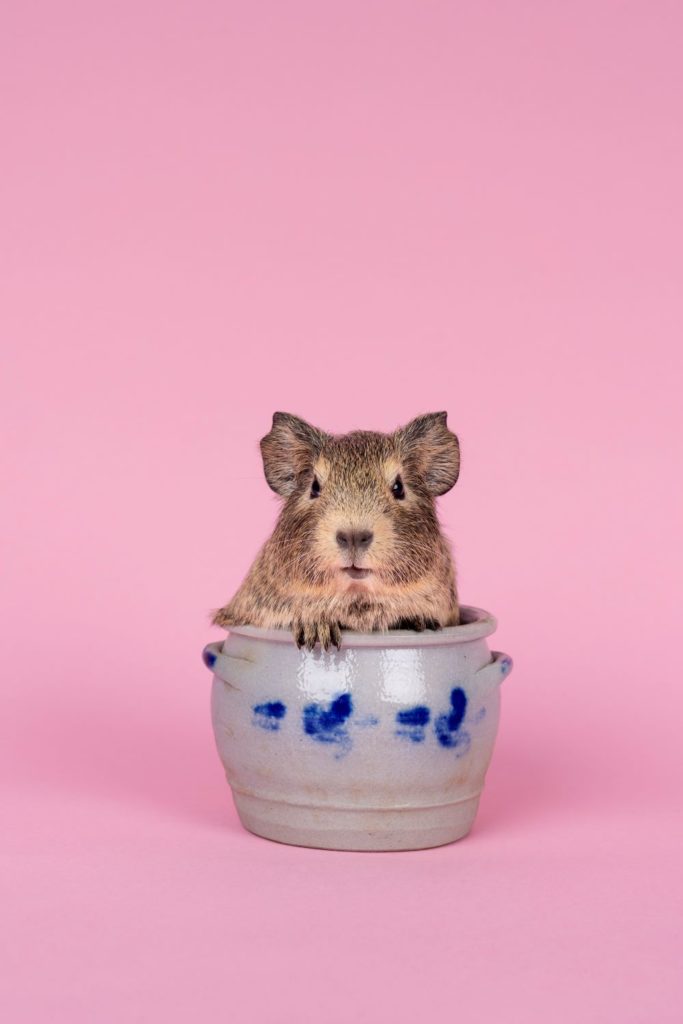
point(382, 745)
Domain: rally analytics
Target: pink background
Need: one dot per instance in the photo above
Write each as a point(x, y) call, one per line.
point(356, 212)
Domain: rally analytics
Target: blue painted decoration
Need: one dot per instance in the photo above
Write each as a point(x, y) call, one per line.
point(412, 723)
point(368, 721)
point(414, 716)
point(447, 727)
point(328, 724)
point(269, 715)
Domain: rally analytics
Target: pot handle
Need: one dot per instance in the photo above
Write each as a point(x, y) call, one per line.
point(495, 670)
point(211, 654)
point(224, 666)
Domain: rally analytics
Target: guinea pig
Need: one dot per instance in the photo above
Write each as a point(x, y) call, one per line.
point(357, 544)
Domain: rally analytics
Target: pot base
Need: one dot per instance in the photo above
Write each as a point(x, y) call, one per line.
point(332, 828)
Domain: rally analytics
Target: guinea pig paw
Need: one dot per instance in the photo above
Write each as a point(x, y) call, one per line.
point(433, 624)
point(299, 633)
point(335, 636)
point(419, 623)
point(308, 634)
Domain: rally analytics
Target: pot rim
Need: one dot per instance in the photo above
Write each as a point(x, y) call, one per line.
point(477, 624)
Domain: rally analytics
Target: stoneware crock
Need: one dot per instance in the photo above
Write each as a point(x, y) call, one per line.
point(382, 745)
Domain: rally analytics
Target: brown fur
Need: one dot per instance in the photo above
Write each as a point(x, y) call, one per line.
point(297, 581)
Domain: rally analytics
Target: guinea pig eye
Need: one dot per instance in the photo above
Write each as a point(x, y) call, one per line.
point(315, 488)
point(398, 490)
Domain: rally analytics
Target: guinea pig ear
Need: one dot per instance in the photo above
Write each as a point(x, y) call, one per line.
point(432, 450)
point(288, 450)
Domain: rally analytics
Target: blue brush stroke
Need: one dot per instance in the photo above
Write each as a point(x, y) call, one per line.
point(367, 721)
point(447, 726)
point(328, 724)
point(269, 715)
point(418, 715)
point(412, 723)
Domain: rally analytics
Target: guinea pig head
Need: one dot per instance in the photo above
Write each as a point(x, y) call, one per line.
point(359, 508)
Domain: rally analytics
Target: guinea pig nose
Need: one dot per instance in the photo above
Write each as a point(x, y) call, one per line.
point(360, 539)
point(363, 539)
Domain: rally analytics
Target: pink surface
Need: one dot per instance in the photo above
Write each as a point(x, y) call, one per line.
point(356, 212)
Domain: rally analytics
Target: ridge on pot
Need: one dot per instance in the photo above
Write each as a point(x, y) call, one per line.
point(382, 745)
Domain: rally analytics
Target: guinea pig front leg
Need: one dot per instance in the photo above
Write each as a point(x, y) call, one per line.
point(307, 633)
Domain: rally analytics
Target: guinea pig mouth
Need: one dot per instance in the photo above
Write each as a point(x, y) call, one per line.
point(355, 573)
